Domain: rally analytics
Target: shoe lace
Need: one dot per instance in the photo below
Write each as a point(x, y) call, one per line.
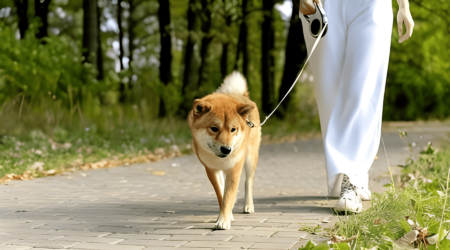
point(347, 187)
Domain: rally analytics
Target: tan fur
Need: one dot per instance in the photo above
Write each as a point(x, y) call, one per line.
point(226, 112)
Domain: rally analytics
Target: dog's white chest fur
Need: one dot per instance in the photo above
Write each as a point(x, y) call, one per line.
point(211, 160)
point(216, 163)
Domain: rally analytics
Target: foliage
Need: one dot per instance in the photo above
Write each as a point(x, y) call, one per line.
point(422, 200)
point(38, 72)
point(418, 81)
point(59, 148)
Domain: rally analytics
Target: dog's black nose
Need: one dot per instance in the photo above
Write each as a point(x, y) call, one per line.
point(225, 150)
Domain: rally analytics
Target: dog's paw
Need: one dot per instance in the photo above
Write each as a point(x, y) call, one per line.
point(231, 217)
point(249, 209)
point(223, 224)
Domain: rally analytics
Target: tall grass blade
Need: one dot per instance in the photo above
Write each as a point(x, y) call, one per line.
point(389, 165)
point(441, 232)
point(21, 105)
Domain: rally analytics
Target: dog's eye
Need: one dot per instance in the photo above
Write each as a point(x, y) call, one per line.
point(214, 129)
point(233, 129)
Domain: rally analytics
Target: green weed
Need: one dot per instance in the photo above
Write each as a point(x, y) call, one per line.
point(422, 199)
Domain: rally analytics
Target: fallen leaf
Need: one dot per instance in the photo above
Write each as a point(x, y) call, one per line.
point(339, 239)
point(411, 176)
point(436, 238)
point(379, 221)
point(158, 173)
point(50, 172)
point(37, 166)
point(174, 151)
point(160, 152)
point(406, 241)
point(440, 193)
point(425, 180)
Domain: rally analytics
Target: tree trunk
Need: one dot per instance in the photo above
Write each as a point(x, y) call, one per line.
point(165, 59)
point(242, 42)
point(245, 57)
point(189, 50)
point(295, 54)
point(224, 58)
point(206, 19)
point(100, 75)
point(131, 35)
point(92, 51)
point(41, 11)
point(119, 24)
point(267, 59)
point(22, 11)
point(188, 61)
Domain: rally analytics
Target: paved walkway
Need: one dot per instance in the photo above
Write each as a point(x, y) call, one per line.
point(131, 208)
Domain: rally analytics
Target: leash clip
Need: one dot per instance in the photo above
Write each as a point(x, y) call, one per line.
point(249, 123)
point(317, 21)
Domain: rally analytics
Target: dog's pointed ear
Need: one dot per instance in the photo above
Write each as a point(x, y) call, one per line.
point(200, 107)
point(245, 109)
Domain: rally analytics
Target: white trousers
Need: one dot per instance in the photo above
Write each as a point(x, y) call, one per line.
point(349, 68)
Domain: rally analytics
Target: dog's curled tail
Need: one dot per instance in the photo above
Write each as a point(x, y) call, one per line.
point(234, 84)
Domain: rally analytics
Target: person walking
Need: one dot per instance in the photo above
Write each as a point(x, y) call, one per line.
point(349, 67)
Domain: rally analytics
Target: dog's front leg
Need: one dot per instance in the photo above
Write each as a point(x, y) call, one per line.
point(231, 187)
point(250, 168)
point(216, 179)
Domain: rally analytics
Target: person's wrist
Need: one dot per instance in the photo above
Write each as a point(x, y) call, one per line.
point(403, 5)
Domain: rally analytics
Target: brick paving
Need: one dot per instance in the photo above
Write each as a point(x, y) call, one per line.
point(130, 208)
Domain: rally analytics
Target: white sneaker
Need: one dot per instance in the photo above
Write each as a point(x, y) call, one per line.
point(349, 200)
point(364, 194)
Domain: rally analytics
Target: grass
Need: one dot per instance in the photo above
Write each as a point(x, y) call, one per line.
point(422, 198)
point(59, 148)
point(61, 140)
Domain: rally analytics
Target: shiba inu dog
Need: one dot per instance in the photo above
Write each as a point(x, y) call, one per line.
point(226, 133)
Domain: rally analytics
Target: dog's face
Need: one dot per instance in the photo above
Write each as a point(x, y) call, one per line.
point(218, 123)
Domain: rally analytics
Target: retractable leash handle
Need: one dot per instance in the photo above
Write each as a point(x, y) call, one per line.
point(317, 21)
point(323, 27)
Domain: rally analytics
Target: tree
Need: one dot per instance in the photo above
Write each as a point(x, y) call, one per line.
point(91, 36)
point(22, 12)
point(224, 57)
point(165, 59)
point(188, 60)
point(242, 42)
point(131, 34)
point(99, 48)
point(267, 57)
point(119, 24)
point(295, 54)
point(41, 11)
point(206, 23)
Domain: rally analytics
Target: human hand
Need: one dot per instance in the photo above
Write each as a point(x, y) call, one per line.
point(307, 6)
point(404, 16)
